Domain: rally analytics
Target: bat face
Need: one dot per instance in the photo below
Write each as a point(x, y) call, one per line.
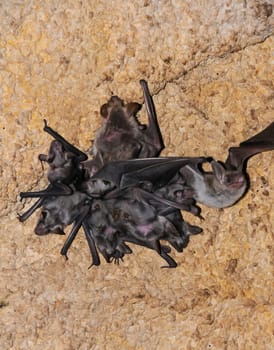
point(59, 212)
point(49, 222)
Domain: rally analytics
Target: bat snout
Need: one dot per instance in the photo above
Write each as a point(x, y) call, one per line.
point(237, 181)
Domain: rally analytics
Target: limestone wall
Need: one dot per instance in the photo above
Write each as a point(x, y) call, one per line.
point(209, 65)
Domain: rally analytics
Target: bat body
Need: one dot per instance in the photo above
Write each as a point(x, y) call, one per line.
point(122, 136)
point(228, 181)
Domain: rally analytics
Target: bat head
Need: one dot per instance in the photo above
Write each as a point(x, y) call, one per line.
point(119, 116)
point(56, 154)
point(60, 211)
point(91, 167)
point(49, 222)
point(96, 187)
point(232, 180)
point(115, 103)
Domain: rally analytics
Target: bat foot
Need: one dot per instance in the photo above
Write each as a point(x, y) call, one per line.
point(116, 260)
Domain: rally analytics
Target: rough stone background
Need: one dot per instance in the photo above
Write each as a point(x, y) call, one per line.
point(210, 68)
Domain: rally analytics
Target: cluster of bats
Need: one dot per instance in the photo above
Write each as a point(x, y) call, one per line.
point(128, 194)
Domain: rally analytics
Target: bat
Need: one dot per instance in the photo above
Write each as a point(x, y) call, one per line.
point(228, 182)
point(122, 136)
point(64, 168)
point(90, 193)
point(63, 159)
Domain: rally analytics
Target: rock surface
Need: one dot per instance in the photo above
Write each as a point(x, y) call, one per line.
point(209, 65)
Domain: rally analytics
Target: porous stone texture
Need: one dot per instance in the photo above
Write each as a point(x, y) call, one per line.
point(209, 65)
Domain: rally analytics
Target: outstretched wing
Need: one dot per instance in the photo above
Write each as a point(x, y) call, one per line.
point(261, 142)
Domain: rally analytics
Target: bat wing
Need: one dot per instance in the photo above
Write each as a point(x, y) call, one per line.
point(56, 189)
point(153, 131)
point(261, 142)
point(67, 146)
point(158, 171)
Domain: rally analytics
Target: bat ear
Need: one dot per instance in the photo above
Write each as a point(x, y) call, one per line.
point(133, 108)
point(58, 231)
point(218, 170)
point(104, 110)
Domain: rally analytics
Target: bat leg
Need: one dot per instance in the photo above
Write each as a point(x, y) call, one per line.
point(73, 233)
point(56, 189)
point(171, 262)
point(68, 146)
point(165, 248)
point(92, 246)
point(31, 210)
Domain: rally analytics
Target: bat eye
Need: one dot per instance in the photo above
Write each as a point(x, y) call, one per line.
point(106, 182)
